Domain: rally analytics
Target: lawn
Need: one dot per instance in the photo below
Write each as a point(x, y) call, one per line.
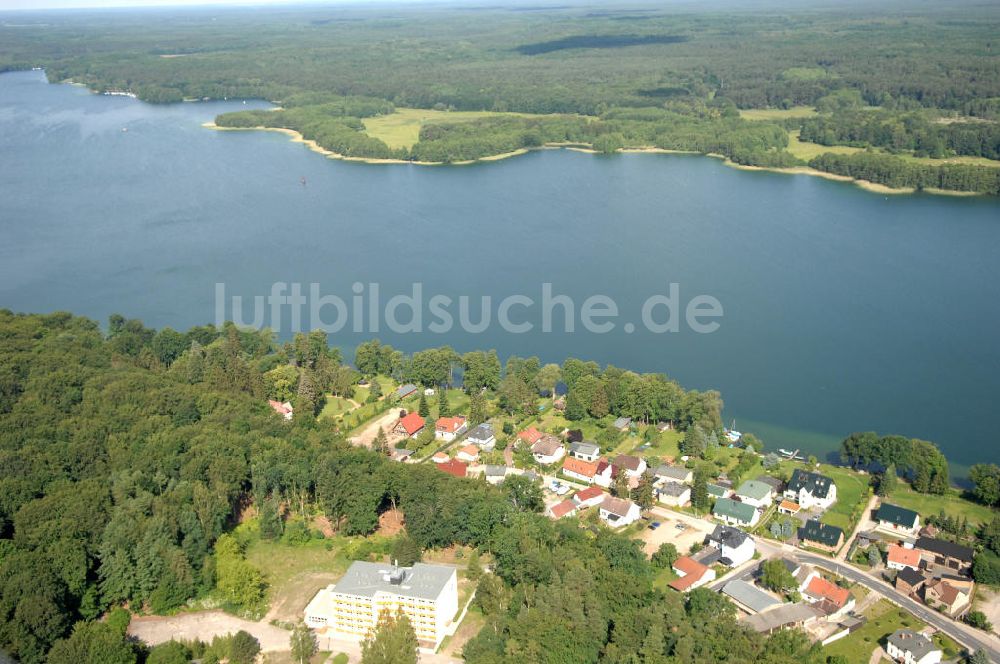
point(663, 578)
point(402, 128)
point(930, 505)
point(334, 406)
point(884, 618)
point(851, 490)
point(805, 150)
point(778, 113)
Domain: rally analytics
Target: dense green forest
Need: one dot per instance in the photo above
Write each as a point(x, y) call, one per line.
point(610, 78)
point(126, 457)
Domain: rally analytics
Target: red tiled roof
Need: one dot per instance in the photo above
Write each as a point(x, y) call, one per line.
point(903, 556)
point(789, 505)
point(530, 435)
point(453, 467)
point(471, 450)
point(589, 493)
point(683, 583)
point(562, 509)
point(580, 467)
point(411, 423)
point(820, 587)
point(279, 407)
point(450, 424)
point(627, 462)
point(690, 567)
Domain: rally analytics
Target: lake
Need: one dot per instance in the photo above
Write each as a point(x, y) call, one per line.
point(844, 310)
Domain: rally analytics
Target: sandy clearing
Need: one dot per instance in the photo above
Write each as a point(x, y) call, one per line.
point(367, 435)
point(205, 625)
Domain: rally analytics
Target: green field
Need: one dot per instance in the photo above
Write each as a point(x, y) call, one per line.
point(402, 128)
point(778, 113)
point(883, 619)
point(335, 406)
point(930, 505)
point(851, 490)
point(805, 150)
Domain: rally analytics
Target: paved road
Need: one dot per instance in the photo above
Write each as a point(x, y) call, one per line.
point(967, 636)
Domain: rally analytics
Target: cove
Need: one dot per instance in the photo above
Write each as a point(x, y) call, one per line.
point(844, 310)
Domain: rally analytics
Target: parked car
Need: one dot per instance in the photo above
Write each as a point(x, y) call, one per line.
point(654, 525)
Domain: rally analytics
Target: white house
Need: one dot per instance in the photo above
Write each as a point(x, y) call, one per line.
point(449, 428)
point(632, 465)
point(897, 520)
point(735, 546)
point(578, 469)
point(907, 646)
point(284, 409)
point(547, 450)
point(589, 497)
point(691, 573)
point(618, 512)
point(678, 474)
point(673, 493)
point(495, 474)
point(483, 437)
point(735, 513)
point(585, 450)
point(468, 454)
point(756, 493)
point(811, 490)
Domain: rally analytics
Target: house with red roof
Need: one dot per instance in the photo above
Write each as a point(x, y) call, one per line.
point(453, 467)
point(834, 600)
point(899, 557)
point(409, 425)
point(449, 428)
point(529, 435)
point(283, 409)
point(692, 574)
point(589, 497)
point(440, 457)
point(469, 454)
point(565, 508)
point(578, 469)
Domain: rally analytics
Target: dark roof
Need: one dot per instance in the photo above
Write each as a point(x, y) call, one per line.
point(899, 516)
point(909, 641)
point(814, 483)
point(729, 536)
point(910, 576)
point(775, 482)
point(945, 548)
point(814, 531)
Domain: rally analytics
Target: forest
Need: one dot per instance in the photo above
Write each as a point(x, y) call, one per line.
point(127, 456)
point(905, 79)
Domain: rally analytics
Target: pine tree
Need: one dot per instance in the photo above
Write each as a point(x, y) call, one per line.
point(473, 569)
point(887, 483)
point(303, 643)
point(381, 442)
point(306, 398)
point(619, 485)
point(477, 409)
point(643, 495)
point(424, 410)
point(444, 410)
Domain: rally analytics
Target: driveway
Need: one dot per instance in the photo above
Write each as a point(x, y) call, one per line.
point(204, 625)
point(694, 530)
point(367, 435)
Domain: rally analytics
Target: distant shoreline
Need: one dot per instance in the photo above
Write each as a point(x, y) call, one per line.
point(872, 187)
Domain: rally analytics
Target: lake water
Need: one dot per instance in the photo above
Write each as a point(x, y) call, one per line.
point(844, 310)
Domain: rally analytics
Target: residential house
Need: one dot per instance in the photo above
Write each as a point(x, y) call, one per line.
point(603, 476)
point(453, 467)
point(619, 512)
point(821, 535)
point(529, 436)
point(749, 597)
point(735, 513)
point(401, 455)
point(632, 465)
point(589, 497)
point(834, 600)
point(585, 450)
point(349, 609)
point(581, 470)
point(910, 581)
point(811, 490)
point(404, 391)
point(440, 457)
point(774, 482)
point(909, 647)
point(673, 474)
point(897, 520)
point(788, 507)
point(691, 573)
point(468, 454)
point(673, 494)
point(900, 557)
point(408, 425)
point(284, 409)
point(495, 474)
point(756, 493)
point(449, 428)
point(945, 554)
point(735, 546)
point(483, 437)
point(623, 423)
point(547, 450)
point(941, 595)
point(718, 491)
point(565, 508)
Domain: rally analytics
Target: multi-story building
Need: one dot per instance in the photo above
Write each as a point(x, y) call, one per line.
point(350, 609)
